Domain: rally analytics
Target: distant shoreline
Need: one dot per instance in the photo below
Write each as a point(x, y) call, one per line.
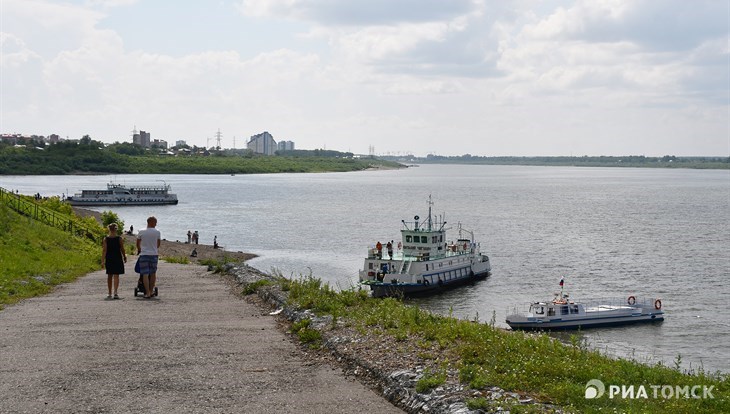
point(632, 161)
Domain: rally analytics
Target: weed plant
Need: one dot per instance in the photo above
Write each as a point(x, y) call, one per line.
point(176, 259)
point(485, 356)
point(35, 257)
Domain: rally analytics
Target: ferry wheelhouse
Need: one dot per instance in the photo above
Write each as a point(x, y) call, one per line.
point(424, 261)
point(122, 195)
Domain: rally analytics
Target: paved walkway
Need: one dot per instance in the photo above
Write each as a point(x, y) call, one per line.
point(195, 349)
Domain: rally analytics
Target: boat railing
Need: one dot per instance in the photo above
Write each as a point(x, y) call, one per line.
point(608, 303)
point(595, 304)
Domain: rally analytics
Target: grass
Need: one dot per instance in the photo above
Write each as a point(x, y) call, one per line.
point(35, 257)
point(176, 259)
point(251, 288)
point(535, 364)
point(218, 265)
point(306, 334)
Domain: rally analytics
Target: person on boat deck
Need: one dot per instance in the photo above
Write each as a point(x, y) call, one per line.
point(390, 249)
point(379, 247)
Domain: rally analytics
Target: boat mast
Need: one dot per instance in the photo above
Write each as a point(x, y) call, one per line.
point(430, 203)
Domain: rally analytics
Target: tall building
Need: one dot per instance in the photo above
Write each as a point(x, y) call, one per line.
point(142, 139)
point(262, 143)
point(285, 146)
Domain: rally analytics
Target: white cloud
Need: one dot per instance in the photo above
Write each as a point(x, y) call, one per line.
point(358, 12)
point(481, 77)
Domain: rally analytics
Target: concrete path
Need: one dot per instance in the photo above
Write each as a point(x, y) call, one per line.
point(195, 349)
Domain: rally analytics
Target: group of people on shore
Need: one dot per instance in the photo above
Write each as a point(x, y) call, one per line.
point(114, 256)
point(193, 237)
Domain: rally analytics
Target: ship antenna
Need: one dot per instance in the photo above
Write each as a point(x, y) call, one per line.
point(430, 203)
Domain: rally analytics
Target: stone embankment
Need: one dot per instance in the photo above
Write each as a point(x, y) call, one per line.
point(390, 367)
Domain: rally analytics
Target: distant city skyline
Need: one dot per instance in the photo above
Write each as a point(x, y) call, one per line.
point(480, 77)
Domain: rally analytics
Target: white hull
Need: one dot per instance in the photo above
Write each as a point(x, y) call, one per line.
point(424, 262)
point(120, 195)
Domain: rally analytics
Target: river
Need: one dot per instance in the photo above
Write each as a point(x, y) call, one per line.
point(608, 231)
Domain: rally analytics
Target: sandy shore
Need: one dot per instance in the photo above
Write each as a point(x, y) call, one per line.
point(174, 248)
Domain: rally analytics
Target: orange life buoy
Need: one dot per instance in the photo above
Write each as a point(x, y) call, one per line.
point(632, 300)
point(658, 304)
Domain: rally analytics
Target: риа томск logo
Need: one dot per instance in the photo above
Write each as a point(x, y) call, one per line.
point(595, 389)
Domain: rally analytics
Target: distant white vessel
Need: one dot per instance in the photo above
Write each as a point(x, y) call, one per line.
point(122, 195)
point(426, 262)
point(563, 313)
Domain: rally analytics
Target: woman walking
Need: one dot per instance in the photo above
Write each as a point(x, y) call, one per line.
point(113, 258)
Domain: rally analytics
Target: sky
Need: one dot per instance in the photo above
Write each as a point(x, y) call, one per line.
point(479, 77)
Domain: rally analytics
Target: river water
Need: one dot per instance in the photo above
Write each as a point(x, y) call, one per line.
point(608, 231)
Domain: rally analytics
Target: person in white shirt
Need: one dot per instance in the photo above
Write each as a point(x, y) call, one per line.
point(148, 244)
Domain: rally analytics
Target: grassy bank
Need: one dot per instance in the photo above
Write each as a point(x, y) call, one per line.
point(35, 257)
point(480, 356)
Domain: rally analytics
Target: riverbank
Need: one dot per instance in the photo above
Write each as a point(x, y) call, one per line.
point(428, 363)
point(178, 249)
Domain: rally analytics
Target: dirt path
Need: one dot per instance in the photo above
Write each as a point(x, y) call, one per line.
point(197, 348)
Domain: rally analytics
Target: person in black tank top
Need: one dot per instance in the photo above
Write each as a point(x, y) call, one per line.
point(113, 258)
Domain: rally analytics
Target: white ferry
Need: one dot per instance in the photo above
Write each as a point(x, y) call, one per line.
point(562, 313)
point(122, 195)
point(424, 261)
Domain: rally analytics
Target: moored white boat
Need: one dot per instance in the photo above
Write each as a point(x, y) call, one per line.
point(122, 195)
point(562, 313)
point(424, 261)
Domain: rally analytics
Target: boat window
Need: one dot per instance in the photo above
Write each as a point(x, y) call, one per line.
point(441, 238)
point(539, 310)
point(408, 239)
point(574, 309)
point(563, 310)
point(424, 239)
point(551, 311)
point(370, 265)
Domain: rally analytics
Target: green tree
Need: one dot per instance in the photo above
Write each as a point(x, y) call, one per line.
point(109, 217)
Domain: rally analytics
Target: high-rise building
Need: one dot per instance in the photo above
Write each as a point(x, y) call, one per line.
point(285, 146)
point(262, 143)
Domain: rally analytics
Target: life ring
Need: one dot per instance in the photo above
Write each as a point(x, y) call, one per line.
point(658, 304)
point(425, 282)
point(632, 300)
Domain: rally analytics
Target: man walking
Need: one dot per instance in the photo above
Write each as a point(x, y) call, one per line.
point(148, 244)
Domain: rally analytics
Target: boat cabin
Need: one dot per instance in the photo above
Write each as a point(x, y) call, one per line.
point(551, 309)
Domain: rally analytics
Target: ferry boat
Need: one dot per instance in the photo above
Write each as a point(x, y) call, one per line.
point(562, 313)
point(425, 261)
point(122, 195)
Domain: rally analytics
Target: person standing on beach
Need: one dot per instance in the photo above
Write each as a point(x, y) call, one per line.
point(195, 237)
point(113, 258)
point(190, 237)
point(148, 244)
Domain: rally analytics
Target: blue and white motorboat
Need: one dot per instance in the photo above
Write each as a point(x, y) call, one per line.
point(562, 313)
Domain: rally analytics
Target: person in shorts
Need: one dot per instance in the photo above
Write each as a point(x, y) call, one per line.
point(148, 244)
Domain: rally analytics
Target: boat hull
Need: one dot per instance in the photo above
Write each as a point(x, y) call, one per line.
point(381, 289)
point(131, 202)
point(587, 323)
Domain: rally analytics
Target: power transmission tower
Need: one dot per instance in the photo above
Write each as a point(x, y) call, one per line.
point(218, 136)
